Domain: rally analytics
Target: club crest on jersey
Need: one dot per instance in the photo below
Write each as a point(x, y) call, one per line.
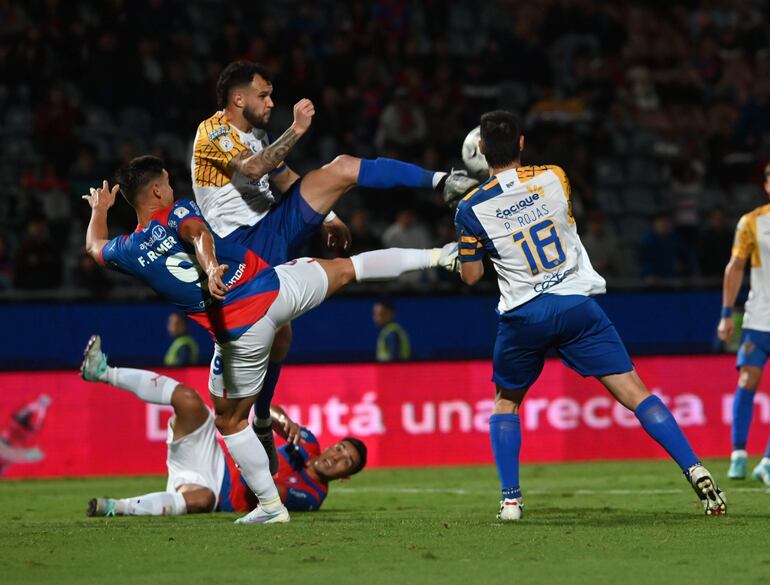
point(226, 144)
point(518, 206)
point(221, 131)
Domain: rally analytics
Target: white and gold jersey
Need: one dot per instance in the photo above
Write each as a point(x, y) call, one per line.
point(228, 199)
point(522, 218)
point(752, 241)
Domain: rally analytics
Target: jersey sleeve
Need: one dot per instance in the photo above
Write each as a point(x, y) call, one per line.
point(469, 234)
point(308, 440)
point(745, 238)
point(115, 254)
point(216, 144)
point(301, 501)
point(181, 212)
point(566, 187)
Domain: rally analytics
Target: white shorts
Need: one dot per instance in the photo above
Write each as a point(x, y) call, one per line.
point(238, 367)
point(195, 458)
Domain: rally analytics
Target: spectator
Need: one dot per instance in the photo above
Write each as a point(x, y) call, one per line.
point(363, 238)
point(38, 260)
point(6, 265)
point(392, 341)
point(715, 245)
point(601, 244)
point(663, 254)
point(406, 232)
point(183, 351)
point(403, 128)
point(90, 276)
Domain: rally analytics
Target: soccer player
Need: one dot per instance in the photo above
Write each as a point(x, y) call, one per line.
point(249, 195)
point(231, 292)
point(521, 218)
point(201, 476)
point(750, 241)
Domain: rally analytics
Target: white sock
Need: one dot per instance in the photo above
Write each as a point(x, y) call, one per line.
point(155, 504)
point(437, 178)
point(250, 456)
point(765, 461)
point(390, 263)
point(148, 386)
point(263, 423)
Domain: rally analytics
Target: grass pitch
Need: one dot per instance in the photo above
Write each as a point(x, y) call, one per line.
point(585, 523)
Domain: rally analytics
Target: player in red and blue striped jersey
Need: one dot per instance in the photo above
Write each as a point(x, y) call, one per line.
point(202, 478)
point(237, 296)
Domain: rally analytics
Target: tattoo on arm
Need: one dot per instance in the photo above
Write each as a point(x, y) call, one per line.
point(261, 163)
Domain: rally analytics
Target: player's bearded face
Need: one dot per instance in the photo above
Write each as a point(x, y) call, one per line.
point(257, 117)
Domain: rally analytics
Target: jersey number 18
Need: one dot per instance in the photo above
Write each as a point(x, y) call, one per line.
point(547, 246)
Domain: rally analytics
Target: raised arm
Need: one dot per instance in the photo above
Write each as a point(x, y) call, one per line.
point(196, 233)
point(284, 426)
point(730, 287)
point(97, 233)
point(259, 164)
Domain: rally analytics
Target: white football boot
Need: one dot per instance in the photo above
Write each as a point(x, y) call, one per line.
point(446, 257)
point(456, 185)
point(94, 366)
point(713, 499)
point(511, 509)
point(259, 516)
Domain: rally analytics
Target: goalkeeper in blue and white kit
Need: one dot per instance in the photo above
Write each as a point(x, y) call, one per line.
point(522, 219)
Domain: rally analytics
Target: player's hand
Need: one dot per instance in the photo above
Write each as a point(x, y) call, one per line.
point(103, 198)
point(726, 329)
point(336, 235)
point(291, 429)
point(303, 115)
point(217, 287)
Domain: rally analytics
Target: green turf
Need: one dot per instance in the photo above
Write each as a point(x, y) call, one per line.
point(585, 523)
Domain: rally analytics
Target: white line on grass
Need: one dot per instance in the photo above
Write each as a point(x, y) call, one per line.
point(582, 492)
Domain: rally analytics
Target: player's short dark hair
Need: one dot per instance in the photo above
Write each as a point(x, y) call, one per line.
point(236, 74)
point(500, 133)
point(359, 446)
point(135, 176)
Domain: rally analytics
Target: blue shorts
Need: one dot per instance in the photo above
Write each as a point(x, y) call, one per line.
point(755, 347)
point(278, 236)
point(574, 325)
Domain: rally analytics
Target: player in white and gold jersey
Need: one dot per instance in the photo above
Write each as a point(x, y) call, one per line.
point(751, 244)
point(235, 169)
point(522, 219)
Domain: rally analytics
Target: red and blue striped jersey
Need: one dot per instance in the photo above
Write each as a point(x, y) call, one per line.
point(157, 255)
point(299, 491)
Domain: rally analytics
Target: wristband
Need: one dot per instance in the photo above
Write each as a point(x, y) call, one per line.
point(330, 217)
point(727, 312)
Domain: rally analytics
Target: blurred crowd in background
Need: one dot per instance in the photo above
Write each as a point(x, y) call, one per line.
point(658, 111)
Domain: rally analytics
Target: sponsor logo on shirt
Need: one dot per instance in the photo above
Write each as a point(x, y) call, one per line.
point(217, 132)
point(551, 279)
point(517, 207)
point(157, 234)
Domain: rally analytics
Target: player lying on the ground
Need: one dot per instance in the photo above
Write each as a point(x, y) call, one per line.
point(546, 280)
point(249, 195)
point(750, 242)
point(201, 476)
point(233, 293)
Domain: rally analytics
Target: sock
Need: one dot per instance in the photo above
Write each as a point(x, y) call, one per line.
point(661, 425)
point(155, 504)
point(743, 409)
point(390, 263)
point(505, 433)
point(265, 398)
point(148, 386)
point(387, 173)
point(250, 456)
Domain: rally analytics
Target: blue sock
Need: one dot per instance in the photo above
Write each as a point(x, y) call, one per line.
point(265, 398)
point(661, 425)
point(505, 432)
point(743, 409)
point(387, 173)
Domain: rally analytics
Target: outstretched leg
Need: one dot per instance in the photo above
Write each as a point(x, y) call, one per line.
point(190, 414)
point(656, 419)
point(322, 187)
